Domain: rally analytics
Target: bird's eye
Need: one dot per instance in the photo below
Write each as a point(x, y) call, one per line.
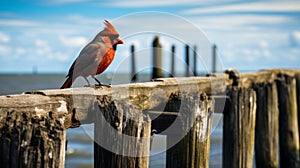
point(112, 37)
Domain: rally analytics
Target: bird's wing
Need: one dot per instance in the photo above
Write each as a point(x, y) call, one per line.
point(88, 59)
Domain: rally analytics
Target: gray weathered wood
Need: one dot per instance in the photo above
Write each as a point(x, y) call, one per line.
point(172, 61)
point(195, 61)
point(33, 125)
point(157, 59)
point(214, 59)
point(190, 146)
point(239, 128)
point(297, 76)
point(288, 121)
point(133, 71)
point(267, 121)
point(187, 61)
point(122, 135)
point(32, 134)
point(81, 102)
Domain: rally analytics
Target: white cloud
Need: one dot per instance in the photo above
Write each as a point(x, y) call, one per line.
point(293, 56)
point(249, 22)
point(58, 56)
point(166, 43)
point(41, 47)
point(5, 51)
point(4, 38)
point(157, 3)
point(267, 53)
point(75, 41)
point(151, 23)
point(228, 55)
point(263, 44)
point(85, 21)
point(265, 6)
point(41, 44)
point(295, 38)
point(59, 2)
point(18, 23)
point(20, 51)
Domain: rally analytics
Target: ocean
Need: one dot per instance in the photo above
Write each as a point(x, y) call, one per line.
point(80, 150)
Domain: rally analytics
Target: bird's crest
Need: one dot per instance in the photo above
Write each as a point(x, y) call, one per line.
point(109, 29)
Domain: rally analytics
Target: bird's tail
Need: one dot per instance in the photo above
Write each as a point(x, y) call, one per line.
point(67, 83)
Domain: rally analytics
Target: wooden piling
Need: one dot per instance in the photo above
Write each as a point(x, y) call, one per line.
point(214, 59)
point(192, 151)
point(172, 61)
point(133, 71)
point(32, 135)
point(122, 136)
point(195, 60)
point(267, 121)
point(288, 121)
point(297, 76)
point(187, 60)
point(157, 59)
point(239, 126)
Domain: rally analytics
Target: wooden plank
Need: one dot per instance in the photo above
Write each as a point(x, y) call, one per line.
point(122, 136)
point(267, 121)
point(157, 58)
point(82, 103)
point(32, 134)
point(190, 146)
point(288, 121)
point(247, 79)
point(133, 69)
point(297, 76)
point(187, 60)
point(239, 127)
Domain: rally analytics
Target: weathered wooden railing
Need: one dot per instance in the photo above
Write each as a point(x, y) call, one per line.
point(260, 110)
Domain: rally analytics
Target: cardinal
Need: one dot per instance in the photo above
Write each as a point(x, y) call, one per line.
point(95, 57)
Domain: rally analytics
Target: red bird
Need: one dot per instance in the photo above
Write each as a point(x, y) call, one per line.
point(95, 57)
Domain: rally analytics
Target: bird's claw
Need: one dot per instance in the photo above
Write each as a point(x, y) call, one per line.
point(98, 86)
point(101, 85)
point(88, 85)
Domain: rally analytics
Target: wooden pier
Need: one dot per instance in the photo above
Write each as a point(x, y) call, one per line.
point(261, 115)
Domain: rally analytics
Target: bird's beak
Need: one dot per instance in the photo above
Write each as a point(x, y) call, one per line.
point(119, 41)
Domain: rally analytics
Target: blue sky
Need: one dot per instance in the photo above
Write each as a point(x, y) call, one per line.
point(250, 35)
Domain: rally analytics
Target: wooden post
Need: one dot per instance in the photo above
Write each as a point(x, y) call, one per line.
point(32, 135)
point(298, 99)
point(122, 136)
point(239, 125)
point(157, 59)
point(187, 60)
point(195, 60)
point(172, 61)
point(214, 59)
point(267, 121)
point(288, 121)
point(192, 151)
point(133, 71)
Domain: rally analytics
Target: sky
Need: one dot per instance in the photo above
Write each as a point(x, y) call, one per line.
point(46, 36)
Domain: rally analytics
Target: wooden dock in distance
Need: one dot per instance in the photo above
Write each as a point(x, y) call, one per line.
point(261, 109)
